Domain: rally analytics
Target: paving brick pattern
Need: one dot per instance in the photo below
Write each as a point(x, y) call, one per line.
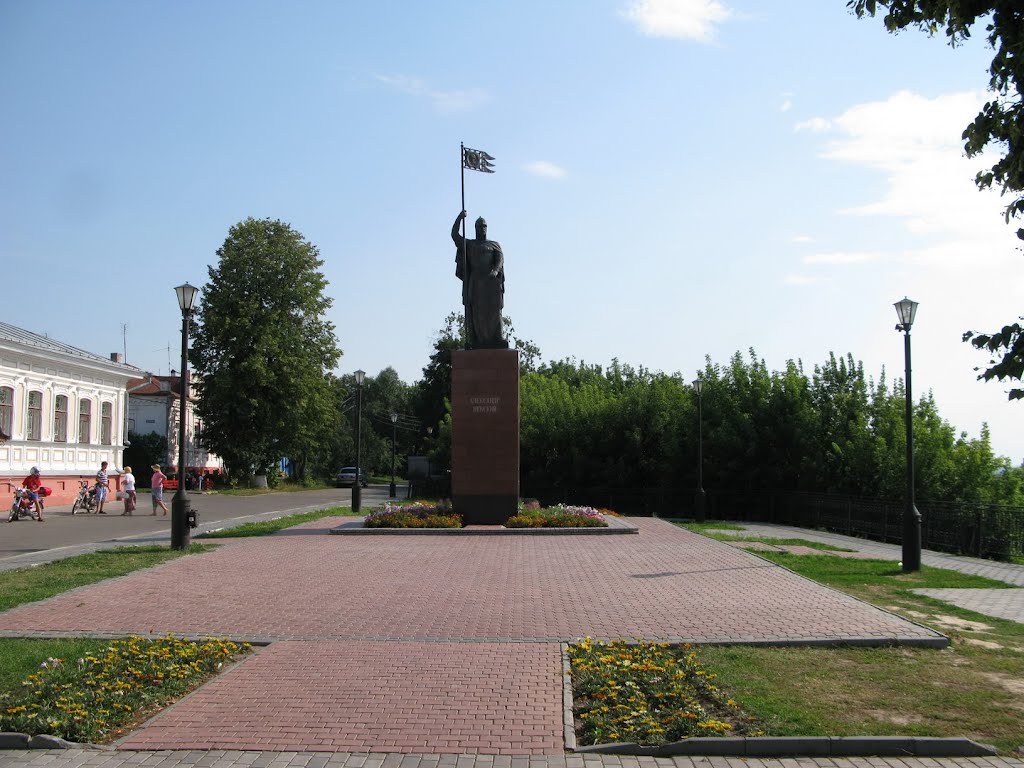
point(426, 644)
point(663, 584)
point(76, 758)
point(485, 698)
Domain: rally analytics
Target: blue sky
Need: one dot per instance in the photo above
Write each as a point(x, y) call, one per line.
point(675, 178)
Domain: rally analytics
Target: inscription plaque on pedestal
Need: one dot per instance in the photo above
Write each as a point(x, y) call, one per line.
point(485, 435)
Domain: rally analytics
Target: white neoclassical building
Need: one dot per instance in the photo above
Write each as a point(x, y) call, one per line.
point(62, 409)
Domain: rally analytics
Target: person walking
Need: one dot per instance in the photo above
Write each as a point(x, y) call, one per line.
point(102, 484)
point(128, 488)
point(156, 483)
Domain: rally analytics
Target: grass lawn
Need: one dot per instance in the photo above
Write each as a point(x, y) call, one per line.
point(974, 688)
point(26, 585)
point(266, 527)
point(713, 530)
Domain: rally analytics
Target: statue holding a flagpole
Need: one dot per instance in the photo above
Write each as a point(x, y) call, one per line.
point(481, 267)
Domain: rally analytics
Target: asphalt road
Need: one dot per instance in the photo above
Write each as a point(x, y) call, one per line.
point(27, 542)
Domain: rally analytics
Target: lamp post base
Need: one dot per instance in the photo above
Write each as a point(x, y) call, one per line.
point(699, 510)
point(181, 533)
point(912, 541)
point(357, 498)
point(391, 490)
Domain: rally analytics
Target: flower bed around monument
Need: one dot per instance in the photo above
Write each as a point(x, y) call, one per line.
point(421, 514)
point(532, 515)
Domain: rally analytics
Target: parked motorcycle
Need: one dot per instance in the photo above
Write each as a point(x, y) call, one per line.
point(24, 507)
point(86, 501)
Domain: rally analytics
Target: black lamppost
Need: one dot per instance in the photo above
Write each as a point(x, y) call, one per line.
point(357, 490)
point(698, 387)
point(181, 533)
point(906, 310)
point(394, 427)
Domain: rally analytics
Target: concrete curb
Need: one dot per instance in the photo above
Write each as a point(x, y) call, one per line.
point(568, 720)
point(10, 740)
point(812, 746)
point(615, 526)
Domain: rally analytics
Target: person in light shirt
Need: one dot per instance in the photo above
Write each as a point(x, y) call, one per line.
point(128, 488)
point(156, 483)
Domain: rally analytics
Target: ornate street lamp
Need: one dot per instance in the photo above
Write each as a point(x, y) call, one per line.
point(394, 427)
point(181, 507)
point(906, 310)
point(698, 387)
point(357, 490)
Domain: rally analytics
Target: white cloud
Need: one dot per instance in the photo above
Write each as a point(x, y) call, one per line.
point(681, 19)
point(444, 101)
point(786, 105)
point(545, 169)
point(803, 279)
point(840, 257)
point(915, 142)
point(814, 125)
point(802, 239)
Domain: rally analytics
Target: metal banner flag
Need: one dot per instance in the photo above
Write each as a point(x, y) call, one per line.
point(477, 160)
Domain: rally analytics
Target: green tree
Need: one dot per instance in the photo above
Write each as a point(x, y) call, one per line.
point(1000, 123)
point(144, 451)
point(263, 348)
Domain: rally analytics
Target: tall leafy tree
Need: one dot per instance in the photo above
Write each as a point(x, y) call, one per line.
point(1000, 123)
point(263, 348)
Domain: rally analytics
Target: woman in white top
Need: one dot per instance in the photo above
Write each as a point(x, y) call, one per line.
point(128, 486)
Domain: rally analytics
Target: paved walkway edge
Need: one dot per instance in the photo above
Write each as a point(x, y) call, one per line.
point(740, 746)
point(795, 746)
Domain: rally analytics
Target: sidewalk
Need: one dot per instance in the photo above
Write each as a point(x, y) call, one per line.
point(1001, 603)
point(425, 652)
point(268, 759)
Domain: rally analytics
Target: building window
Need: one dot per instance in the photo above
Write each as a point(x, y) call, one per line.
point(60, 419)
point(35, 416)
point(106, 411)
point(84, 420)
point(7, 410)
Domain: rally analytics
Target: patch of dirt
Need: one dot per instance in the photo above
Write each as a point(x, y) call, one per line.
point(964, 624)
point(898, 718)
point(1014, 685)
point(908, 612)
point(980, 643)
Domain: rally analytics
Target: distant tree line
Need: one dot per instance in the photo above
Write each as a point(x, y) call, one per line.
point(832, 430)
point(264, 358)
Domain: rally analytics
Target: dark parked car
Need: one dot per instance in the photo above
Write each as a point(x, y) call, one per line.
point(347, 477)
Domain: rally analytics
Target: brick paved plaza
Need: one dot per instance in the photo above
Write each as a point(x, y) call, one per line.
point(428, 644)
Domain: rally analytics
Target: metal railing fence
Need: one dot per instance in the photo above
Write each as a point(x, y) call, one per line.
point(981, 530)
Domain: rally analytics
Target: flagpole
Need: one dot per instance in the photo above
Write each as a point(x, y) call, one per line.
point(464, 251)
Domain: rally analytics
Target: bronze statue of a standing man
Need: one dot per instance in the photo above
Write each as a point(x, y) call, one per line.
point(481, 267)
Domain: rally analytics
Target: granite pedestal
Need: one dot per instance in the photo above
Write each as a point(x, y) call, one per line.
point(485, 435)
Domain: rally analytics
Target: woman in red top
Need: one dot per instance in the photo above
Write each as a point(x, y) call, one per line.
point(32, 484)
